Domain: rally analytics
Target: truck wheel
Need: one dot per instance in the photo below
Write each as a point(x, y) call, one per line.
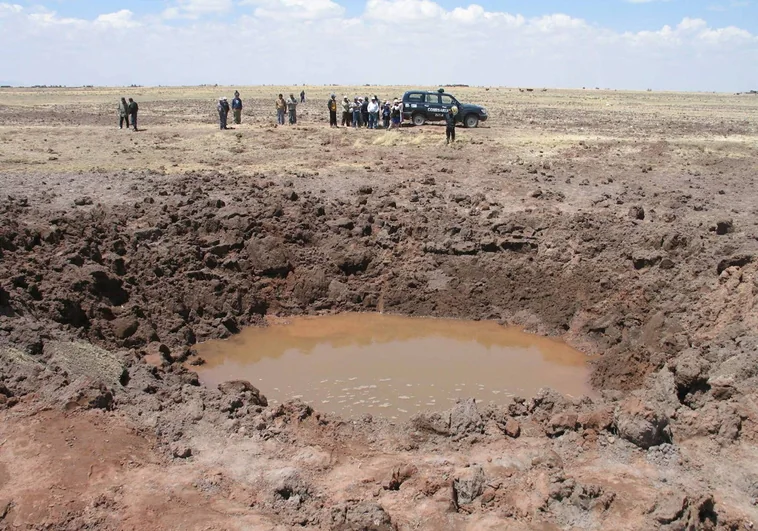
point(419, 119)
point(471, 121)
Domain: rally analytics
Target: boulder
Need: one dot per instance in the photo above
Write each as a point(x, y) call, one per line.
point(561, 422)
point(469, 486)
point(465, 418)
point(642, 425)
point(243, 389)
point(124, 327)
point(360, 516)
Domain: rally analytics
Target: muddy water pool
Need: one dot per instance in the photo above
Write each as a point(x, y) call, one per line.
point(393, 366)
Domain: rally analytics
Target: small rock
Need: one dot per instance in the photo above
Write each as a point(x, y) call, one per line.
point(82, 201)
point(562, 422)
point(365, 189)
point(181, 451)
point(637, 212)
point(724, 226)
point(125, 327)
point(535, 193)
point(469, 486)
point(512, 428)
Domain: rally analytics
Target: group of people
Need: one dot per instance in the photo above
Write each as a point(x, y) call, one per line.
point(127, 112)
point(365, 112)
point(223, 109)
point(287, 108)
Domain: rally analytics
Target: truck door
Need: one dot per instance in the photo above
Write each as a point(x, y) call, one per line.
point(447, 101)
point(434, 110)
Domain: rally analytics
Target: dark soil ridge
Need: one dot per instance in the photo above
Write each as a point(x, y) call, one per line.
point(668, 304)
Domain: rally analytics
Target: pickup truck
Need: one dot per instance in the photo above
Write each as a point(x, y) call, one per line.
point(420, 106)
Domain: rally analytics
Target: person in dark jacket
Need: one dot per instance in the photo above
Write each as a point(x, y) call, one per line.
point(347, 116)
point(223, 113)
point(386, 112)
point(332, 106)
point(237, 108)
point(123, 114)
point(292, 109)
point(302, 96)
point(450, 124)
point(364, 112)
point(132, 110)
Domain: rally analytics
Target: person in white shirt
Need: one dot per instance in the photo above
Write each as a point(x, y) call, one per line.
point(373, 113)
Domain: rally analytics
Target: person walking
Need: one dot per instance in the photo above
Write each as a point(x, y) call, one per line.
point(292, 109)
point(237, 108)
point(132, 110)
point(373, 113)
point(223, 113)
point(450, 124)
point(123, 114)
point(332, 106)
point(346, 114)
point(281, 109)
point(302, 96)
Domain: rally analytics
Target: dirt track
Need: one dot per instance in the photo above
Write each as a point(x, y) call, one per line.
point(623, 222)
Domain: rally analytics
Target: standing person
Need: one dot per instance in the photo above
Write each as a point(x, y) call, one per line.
point(386, 112)
point(346, 114)
point(450, 124)
point(355, 108)
point(123, 114)
point(222, 108)
point(237, 108)
point(132, 110)
point(332, 106)
point(395, 115)
point(364, 112)
point(302, 96)
point(281, 109)
point(292, 108)
point(373, 113)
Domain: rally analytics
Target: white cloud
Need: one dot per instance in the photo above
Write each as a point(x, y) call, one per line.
point(393, 41)
point(119, 19)
point(197, 8)
point(295, 9)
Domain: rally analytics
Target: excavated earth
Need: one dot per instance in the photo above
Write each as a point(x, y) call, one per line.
point(625, 223)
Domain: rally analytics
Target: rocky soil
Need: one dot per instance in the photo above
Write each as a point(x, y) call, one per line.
point(636, 241)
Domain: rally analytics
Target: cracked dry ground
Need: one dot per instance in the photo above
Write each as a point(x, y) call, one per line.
point(623, 222)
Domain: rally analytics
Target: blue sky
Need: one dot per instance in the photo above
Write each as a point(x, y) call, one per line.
point(620, 15)
point(708, 45)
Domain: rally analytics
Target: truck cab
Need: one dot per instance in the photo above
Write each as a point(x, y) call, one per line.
point(421, 106)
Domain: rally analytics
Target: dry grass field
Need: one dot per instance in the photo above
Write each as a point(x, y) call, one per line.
point(625, 223)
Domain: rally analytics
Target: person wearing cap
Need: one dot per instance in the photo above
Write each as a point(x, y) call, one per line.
point(346, 114)
point(450, 123)
point(292, 109)
point(281, 109)
point(223, 112)
point(132, 110)
point(332, 106)
point(373, 113)
point(237, 108)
